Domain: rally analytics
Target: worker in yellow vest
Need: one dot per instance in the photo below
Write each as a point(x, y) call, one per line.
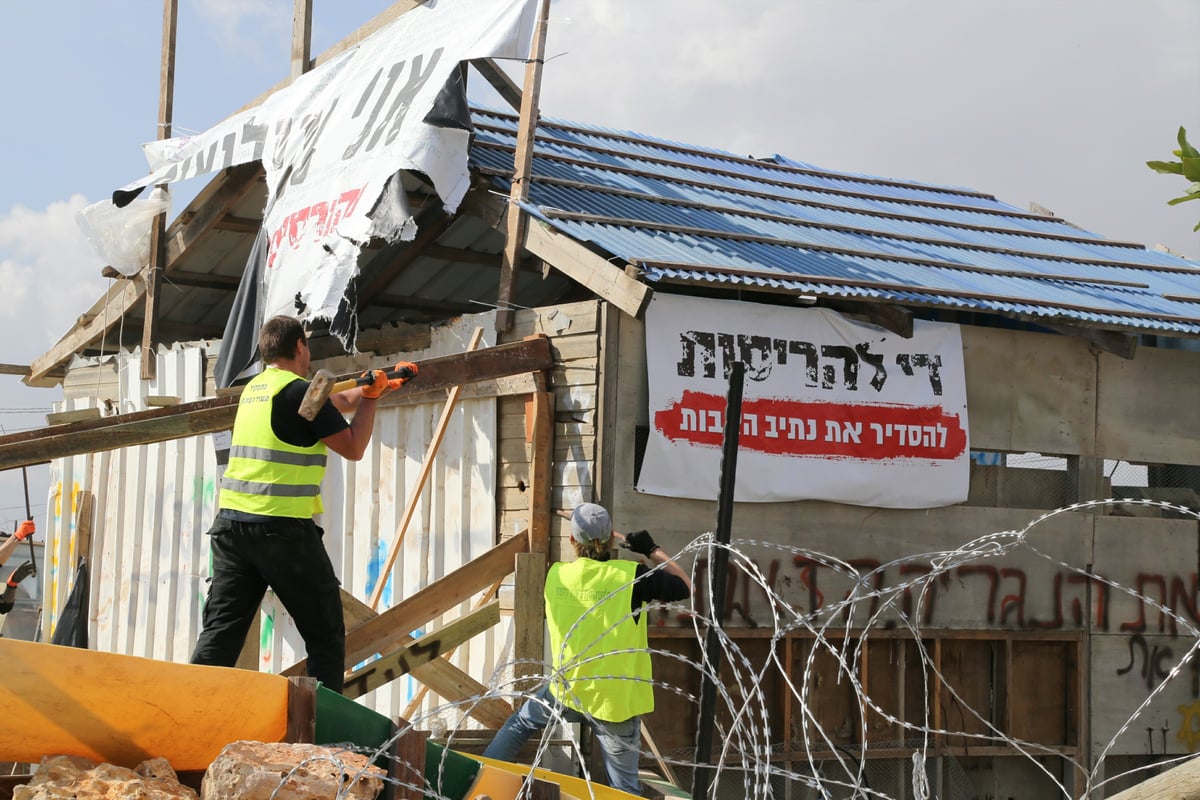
point(601, 662)
point(264, 534)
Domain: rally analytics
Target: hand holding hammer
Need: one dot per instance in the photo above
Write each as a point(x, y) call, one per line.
point(374, 382)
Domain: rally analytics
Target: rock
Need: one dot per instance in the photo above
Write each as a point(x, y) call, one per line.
point(282, 771)
point(72, 778)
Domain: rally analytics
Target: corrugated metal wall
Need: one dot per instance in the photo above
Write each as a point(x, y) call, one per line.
point(153, 504)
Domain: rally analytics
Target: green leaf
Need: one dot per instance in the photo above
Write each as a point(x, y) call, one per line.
point(1172, 167)
point(1185, 148)
point(1191, 168)
point(1176, 201)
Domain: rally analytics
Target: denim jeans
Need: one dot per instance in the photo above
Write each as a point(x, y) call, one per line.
point(620, 742)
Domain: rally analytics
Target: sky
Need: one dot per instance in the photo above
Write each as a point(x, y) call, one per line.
point(1059, 103)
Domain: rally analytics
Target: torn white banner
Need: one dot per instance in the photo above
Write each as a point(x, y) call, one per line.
point(331, 141)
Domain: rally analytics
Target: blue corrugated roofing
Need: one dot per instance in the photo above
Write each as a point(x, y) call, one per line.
point(695, 215)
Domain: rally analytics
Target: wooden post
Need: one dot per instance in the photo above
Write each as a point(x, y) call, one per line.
point(301, 711)
point(158, 231)
point(301, 37)
point(539, 433)
point(407, 764)
point(430, 453)
point(516, 221)
point(529, 616)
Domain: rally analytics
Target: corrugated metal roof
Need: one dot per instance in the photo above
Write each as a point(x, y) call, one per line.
point(696, 215)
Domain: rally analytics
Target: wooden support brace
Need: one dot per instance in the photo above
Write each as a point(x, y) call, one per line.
point(421, 650)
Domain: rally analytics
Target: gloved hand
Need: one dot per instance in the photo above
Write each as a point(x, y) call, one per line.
point(20, 573)
point(641, 542)
point(379, 386)
point(406, 370)
point(25, 530)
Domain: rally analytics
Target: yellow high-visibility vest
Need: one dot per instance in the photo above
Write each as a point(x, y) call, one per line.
point(600, 657)
point(266, 475)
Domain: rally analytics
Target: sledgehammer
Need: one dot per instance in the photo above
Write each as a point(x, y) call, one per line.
point(324, 383)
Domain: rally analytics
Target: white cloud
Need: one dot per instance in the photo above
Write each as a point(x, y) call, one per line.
point(50, 275)
point(240, 23)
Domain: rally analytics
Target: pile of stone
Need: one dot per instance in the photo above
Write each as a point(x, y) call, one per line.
point(242, 771)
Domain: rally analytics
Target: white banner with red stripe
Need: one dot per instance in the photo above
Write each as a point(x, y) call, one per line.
point(833, 409)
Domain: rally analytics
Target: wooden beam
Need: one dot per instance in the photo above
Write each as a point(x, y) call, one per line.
point(105, 314)
point(422, 650)
point(516, 220)
point(607, 280)
point(1180, 781)
point(217, 414)
point(158, 230)
point(201, 218)
point(388, 629)
point(14, 369)
point(301, 37)
point(539, 432)
point(439, 675)
point(392, 12)
point(529, 619)
point(505, 86)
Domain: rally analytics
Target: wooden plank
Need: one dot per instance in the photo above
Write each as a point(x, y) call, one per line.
point(105, 314)
point(390, 627)
point(605, 279)
point(567, 349)
point(414, 497)
point(499, 80)
point(301, 37)
point(516, 220)
point(407, 765)
point(529, 619)
point(217, 414)
point(1180, 781)
point(158, 231)
point(422, 650)
point(539, 420)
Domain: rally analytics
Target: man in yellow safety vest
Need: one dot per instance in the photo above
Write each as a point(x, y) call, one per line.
point(264, 534)
point(601, 663)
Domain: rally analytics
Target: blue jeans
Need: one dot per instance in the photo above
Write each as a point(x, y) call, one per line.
point(620, 742)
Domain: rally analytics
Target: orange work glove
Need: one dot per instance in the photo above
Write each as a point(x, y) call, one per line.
point(379, 385)
point(25, 530)
point(403, 371)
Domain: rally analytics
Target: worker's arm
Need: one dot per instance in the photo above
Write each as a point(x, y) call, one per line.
point(643, 544)
point(351, 442)
point(9, 598)
point(24, 531)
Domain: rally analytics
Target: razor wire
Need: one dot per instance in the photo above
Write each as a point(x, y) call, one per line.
point(746, 764)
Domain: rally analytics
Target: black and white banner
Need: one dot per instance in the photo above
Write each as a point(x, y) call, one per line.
point(331, 141)
point(832, 409)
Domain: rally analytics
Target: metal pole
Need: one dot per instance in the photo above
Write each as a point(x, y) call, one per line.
point(702, 778)
point(29, 516)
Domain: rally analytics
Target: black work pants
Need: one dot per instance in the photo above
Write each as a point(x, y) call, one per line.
point(288, 556)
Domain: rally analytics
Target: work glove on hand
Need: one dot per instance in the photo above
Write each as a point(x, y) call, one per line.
point(379, 386)
point(25, 530)
point(20, 573)
point(641, 542)
point(403, 371)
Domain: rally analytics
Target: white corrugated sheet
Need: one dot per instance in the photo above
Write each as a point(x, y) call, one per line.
point(155, 502)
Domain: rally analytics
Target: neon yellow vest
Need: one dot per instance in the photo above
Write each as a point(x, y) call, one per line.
point(588, 629)
point(266, 475)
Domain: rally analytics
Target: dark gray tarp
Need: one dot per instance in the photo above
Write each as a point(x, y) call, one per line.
point(72, 627)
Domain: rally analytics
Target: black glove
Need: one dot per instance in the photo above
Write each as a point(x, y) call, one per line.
point(20, 573)
point(640, 542)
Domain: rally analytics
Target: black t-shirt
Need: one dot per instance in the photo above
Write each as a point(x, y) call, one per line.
point(294, 429)
point(656, 585)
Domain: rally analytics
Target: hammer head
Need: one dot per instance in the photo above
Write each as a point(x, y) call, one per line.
point(318, 392)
